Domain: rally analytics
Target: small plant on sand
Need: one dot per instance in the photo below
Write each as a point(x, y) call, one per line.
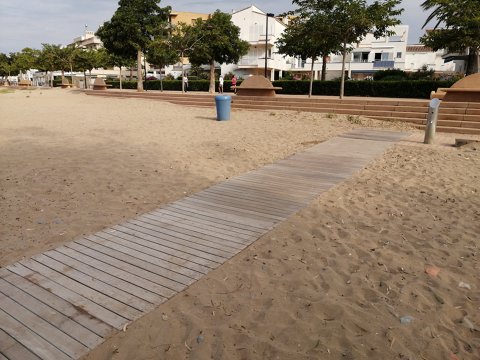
point(330, 116)
point(6, 91)
point(354, 119)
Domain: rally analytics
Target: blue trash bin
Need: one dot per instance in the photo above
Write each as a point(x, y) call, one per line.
point(222, 102)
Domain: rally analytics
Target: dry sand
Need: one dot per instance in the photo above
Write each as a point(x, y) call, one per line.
point(332, 282)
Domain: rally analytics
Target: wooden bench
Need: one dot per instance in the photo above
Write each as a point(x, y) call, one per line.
point(99, 84)
point(66, 84)
point(24, 83)
point(256, 85)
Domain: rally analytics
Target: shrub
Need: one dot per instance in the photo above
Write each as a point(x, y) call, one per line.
point(394, 74)
point(396, 89)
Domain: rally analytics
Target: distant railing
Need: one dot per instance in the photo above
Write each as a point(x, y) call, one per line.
point(390, 64)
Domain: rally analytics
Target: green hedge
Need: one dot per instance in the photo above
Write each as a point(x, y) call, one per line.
point(396, 89)
point(193, 85)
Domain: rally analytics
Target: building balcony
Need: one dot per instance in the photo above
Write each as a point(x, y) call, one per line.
point(387, 64)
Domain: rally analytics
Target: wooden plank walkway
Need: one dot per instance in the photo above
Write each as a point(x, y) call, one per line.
point(66, 301)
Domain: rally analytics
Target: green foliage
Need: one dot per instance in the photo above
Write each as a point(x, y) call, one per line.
point(461, 32)
point(395, 74)
point(419, 89)
point(398, 75)
point(311, 36)
point(27, 59)
point(351, 20)
point(132, 27)
point(221, 43)
point(396, 89)
point(176, 85)
point(7, 64)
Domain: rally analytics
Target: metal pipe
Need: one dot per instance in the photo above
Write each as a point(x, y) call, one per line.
point(266, 40)
point(432, 117)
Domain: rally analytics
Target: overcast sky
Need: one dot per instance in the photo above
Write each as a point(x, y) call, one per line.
point(29, 23)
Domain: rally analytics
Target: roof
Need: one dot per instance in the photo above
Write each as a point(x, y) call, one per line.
point(418, 48)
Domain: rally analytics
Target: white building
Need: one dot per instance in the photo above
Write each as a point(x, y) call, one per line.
point(419, 56)
point(252, 23)
point(88, 41)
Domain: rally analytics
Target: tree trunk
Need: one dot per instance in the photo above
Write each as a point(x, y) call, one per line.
point(84, 79)
point(120, 77)
point(342, 82)
point(324, 67)
point(311, 77)
point(51, 79)
point(183, 75)
point(161, 79)
point(211, 89)
point(139, 71)
point(472, 65)
point(63, 75)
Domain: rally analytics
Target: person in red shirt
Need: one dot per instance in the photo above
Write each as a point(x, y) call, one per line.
point(234, 84)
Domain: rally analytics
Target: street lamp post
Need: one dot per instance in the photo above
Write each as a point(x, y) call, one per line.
point(266, 40)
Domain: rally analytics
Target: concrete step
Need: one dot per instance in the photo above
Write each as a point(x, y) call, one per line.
point(472, 118)
point(461, 117)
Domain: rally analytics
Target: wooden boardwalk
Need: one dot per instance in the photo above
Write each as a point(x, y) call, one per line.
point(64, 302)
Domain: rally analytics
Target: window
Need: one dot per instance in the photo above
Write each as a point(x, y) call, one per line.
point(399, 54)
point(360, 57)
point(378, 56)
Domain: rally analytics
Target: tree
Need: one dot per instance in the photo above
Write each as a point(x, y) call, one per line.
point(26, 59)
point(309, 38)
point(161, 53)
point(183, 41)
point(352, 20)
point(132, 27)
point(85, 60)
point(66, 56)
point(461, 32)
point(222, 43)
point(7, 65)
point(50, 59)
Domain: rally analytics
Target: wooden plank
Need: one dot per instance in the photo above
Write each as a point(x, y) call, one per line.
point(42, 328)
point(243, 203)
point(267, 194)
point(249, 222)
point(203, 225)
point(60, 321)
point(227, 220)
point(138, 267)
point(123, 302)
point(95, 325)
point(112, 278)
point(168, 262)
point(82, 303)
point(101, 299)
point(264, 201)
point(28, 338)
point(233, 242)
point(12, 349)
point(233, 210)
point(272, 190)
point(155, 239)
point(274, 186)
point(175, 275)
point(154, 292)
point(260, 197)
point(184, 237)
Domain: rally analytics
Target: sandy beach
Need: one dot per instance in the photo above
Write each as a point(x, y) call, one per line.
point(383, 266)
